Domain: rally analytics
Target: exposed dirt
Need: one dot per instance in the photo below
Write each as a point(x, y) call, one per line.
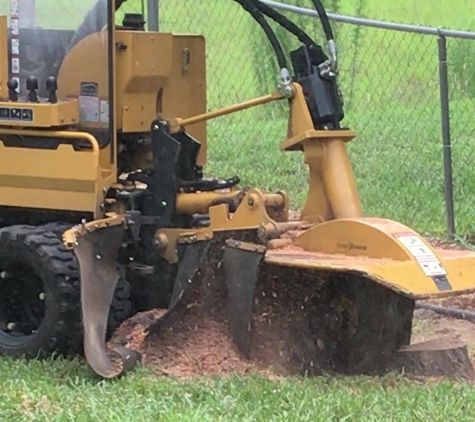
point(188, 347)
point(195, 339)
point(429, 325)
point(287, 338)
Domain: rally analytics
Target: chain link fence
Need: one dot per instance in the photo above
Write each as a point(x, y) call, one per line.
point(390, 80)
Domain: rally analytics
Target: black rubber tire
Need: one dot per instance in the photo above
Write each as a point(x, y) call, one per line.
point(41, 250)
point(121, 306)
point(61, 330)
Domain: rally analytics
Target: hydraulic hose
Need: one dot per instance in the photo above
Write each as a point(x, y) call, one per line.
point(451, 312)
point(284, 22)
point(119, 3)
point(327, 28)
point(322, 14)
point(288, 25)
point(259, 18)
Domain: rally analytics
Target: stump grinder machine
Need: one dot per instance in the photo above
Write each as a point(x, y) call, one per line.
point(106, 210)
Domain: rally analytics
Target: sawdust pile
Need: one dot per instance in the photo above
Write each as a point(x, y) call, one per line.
point(183, 348)
point(194, 339)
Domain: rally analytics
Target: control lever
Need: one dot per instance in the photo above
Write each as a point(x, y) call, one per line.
point(12, 87)
point(32, 87)
point(52, 87)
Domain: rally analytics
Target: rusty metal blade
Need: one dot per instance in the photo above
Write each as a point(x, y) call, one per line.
point(96, 252)
point(241, 266)
point(190, 259)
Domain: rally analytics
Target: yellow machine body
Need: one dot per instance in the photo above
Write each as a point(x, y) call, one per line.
point(387, 252)
point(157, 74)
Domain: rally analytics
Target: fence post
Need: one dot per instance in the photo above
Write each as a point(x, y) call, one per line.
point(153, 9)
point(446, 141)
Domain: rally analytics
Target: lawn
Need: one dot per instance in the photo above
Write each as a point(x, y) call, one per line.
point(64, 391)
point(390, 84)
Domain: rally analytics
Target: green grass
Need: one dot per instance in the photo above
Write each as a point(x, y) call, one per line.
point(64, 391)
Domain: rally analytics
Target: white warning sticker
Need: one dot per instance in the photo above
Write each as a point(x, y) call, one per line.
point(15, 65)
point(89, 109)
point(15, 46)
point(427, 260)
point(15, 26)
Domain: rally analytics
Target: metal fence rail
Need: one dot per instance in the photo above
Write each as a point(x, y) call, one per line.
point(373, 23)
point(408, 91)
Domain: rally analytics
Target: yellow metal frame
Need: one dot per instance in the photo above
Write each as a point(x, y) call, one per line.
point(252, 213)
point(385, 251)
point(154, 75)
point(3, 57)
point(44, 115)
point(78, 183)
point(178, 124)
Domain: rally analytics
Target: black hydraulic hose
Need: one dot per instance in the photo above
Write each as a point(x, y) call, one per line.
point(288, 25)
point(327, 29)
point(451, 312)
point(322, 14)
point(284, 22)
point(259, 18)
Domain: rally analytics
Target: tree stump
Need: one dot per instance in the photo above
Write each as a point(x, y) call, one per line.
point(441, 357)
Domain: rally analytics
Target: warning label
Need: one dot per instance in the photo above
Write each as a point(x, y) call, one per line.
point(429, 263)
point(89, 104)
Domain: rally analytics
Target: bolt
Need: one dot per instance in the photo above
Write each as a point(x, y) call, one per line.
point(163, 204)
point(98, 257)
point(42, 296)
